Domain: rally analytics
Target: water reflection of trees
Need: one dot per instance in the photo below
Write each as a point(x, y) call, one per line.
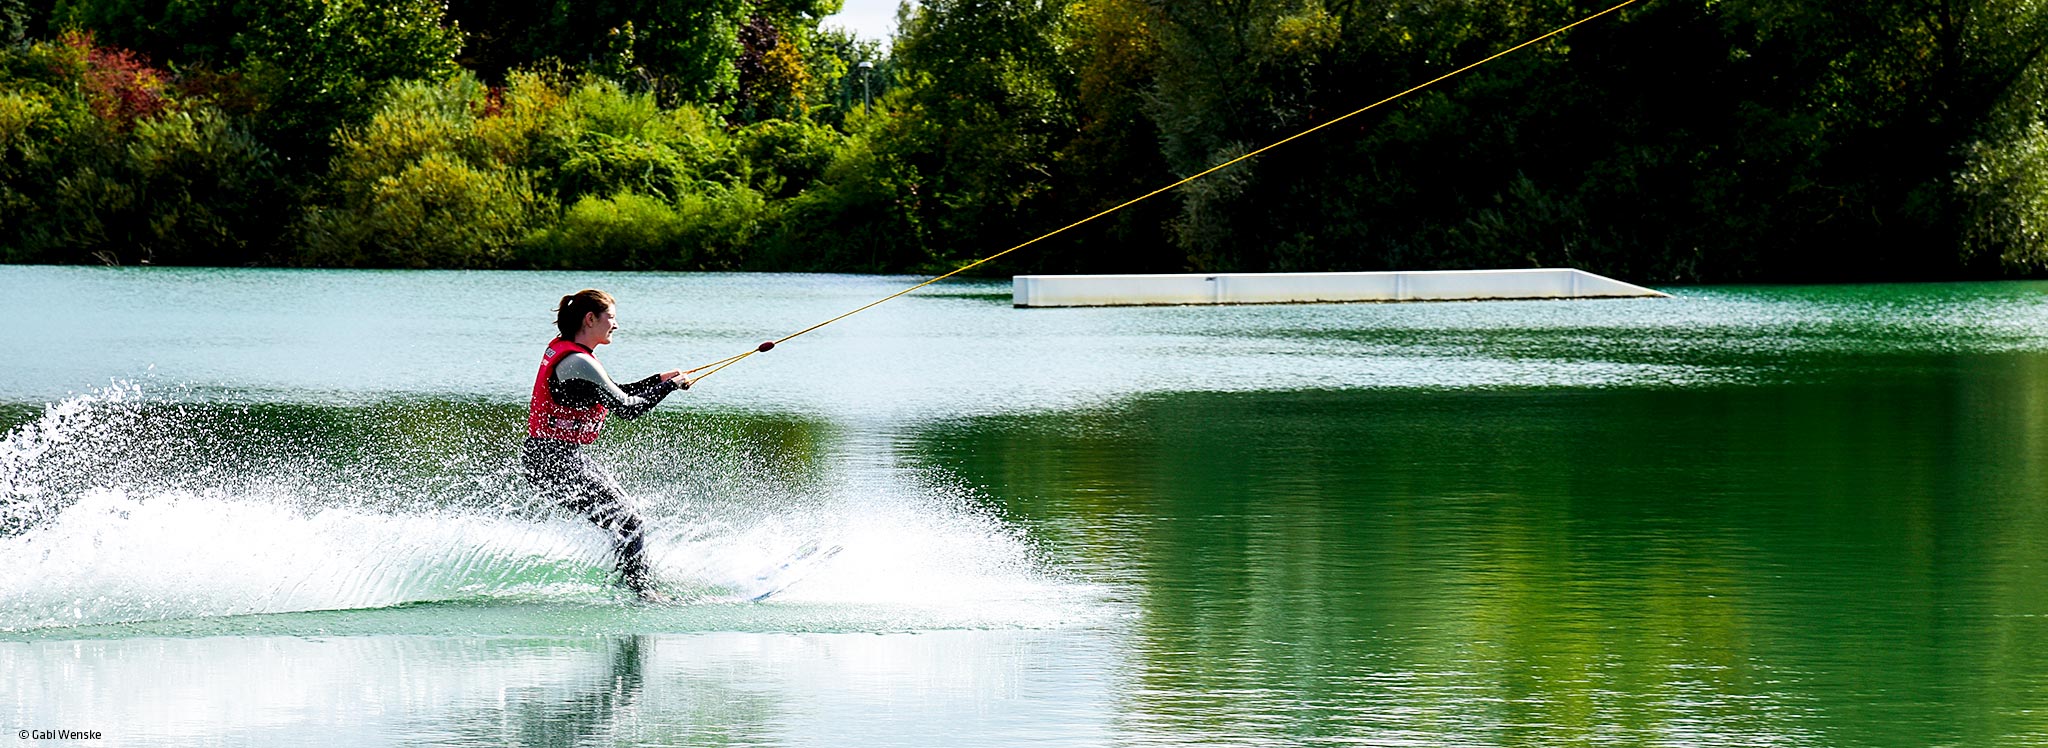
point(1842, 563)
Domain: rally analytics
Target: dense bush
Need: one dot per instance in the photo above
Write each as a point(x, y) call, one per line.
point(40, 136)
point(453, 173)
point(104, 162)
point(604, 140)
point(206, 191)
point(707, 231)
point(783, 158)
point(863, 214)
point(438, 211)
point(627, 231)
point(417, 186)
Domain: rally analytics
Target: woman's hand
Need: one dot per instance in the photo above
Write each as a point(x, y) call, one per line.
point(671, 374)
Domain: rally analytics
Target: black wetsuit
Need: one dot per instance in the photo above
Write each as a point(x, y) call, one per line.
point(565, 473)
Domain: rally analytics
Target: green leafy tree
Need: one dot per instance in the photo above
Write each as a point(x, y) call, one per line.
point(980, 122)
point(681, 50)
point(774, 79)
point(319, 63)
point(2006, 185)
point(1114, 153)
point(864, 213)
point(839, 82)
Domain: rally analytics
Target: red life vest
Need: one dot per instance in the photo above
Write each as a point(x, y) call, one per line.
point(547, 419)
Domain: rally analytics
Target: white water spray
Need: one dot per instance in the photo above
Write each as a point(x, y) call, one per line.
point(117, 508)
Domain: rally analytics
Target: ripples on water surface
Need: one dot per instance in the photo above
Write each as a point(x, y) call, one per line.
point(274, 507)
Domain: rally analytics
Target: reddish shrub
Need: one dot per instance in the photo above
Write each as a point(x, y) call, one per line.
point(494, 102)
point(119, 84)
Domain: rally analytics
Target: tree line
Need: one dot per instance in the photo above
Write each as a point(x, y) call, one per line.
point(1676, 141)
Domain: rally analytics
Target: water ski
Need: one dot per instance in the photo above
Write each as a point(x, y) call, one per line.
point(780, 576)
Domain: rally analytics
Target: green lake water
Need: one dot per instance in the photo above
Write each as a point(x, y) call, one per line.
point(260, 507)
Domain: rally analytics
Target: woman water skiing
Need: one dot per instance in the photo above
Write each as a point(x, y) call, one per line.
point(572, 394)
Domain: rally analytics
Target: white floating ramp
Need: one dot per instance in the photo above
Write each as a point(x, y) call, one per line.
point(1307, 288)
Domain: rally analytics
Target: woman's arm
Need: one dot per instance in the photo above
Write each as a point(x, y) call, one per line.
point(583, 381)
point(642, 387)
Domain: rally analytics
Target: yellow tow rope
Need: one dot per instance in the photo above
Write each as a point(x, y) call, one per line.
point(765, 347)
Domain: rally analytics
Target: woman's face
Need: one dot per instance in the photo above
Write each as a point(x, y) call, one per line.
point(598, 328)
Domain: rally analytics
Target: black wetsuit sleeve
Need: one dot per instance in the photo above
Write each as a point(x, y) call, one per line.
point(640, 388)
point(580, 382)
point(646, 394)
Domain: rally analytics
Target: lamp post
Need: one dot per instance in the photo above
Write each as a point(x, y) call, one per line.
point(867, 70)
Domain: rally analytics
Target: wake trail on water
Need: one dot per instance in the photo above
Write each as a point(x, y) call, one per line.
point(120, 507)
